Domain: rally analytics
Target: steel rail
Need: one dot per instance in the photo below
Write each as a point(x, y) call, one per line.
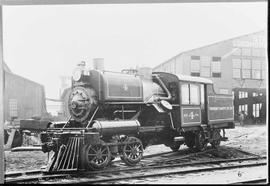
point(127, 175)
point(23, 173)
point(259, 180)
point(35, 178)
point(151, 166)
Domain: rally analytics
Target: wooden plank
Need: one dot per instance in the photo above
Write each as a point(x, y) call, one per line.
point(2, 155)
point(62, 2)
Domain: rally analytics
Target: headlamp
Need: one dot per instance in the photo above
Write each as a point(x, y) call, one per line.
point(77, 74)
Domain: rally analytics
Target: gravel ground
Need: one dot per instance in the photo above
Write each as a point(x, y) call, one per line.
point(252, 138)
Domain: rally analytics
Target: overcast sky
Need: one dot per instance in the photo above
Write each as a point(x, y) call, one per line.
point(43, 43)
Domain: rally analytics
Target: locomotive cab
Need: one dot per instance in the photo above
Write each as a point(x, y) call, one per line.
point(195, 102)
point(198, 112)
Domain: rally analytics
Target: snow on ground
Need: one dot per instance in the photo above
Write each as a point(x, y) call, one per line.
point(251, 138)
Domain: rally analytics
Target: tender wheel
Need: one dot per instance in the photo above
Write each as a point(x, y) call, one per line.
point(216, 138)
point(190, 140)
point(200, 142)
point(97, 156)
point(132, 153)
point(175, 146)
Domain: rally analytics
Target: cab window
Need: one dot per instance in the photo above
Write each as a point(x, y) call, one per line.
point(190, 94)
point(185, 93)
point(194, 94)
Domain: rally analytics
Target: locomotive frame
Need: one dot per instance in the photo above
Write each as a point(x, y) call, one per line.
point(113, 118)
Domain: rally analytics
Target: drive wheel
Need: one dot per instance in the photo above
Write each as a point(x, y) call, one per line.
point(200, 142)
point(132, 153)
point(97, 156)
point(175, 146)
point(216, 139)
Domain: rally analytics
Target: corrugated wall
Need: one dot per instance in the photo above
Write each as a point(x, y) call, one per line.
point(23, 98)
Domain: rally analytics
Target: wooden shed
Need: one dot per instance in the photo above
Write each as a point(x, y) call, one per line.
point(23, 98)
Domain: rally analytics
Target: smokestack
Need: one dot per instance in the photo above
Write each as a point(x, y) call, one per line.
point(98, 64)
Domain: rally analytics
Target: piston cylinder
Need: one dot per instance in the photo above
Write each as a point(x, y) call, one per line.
point(116, 127)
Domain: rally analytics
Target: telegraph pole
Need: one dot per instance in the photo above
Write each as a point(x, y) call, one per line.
point(2, 155)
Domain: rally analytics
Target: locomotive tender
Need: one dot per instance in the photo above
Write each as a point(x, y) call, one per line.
point(118, 114)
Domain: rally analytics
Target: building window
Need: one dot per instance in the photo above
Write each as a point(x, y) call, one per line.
point(256, 64)
point(257, 52)
point(246, 69)
point(205, 71)
point(256, 69)
point(263, 74)
point(205, 66)
point(256, 74)
point(205, 60)
point(246, 51)
point(245, 74)
point(216, 70)
point(195, 57)
point(236, 73)
point(256, 109)
point(243, 94)
point(223, 91)
point(13, 108)
point(243, 108)
point(216, 63)
point(236, 63)
point(216, 58)
point(216, 74)
point(255, 94)
point(195, 74)
point(195, 67)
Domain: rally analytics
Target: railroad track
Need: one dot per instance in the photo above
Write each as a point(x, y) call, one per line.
point(160, 167)
point(35, 175)
point(162, 170)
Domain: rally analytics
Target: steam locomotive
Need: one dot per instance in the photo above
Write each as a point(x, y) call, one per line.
point(120, 114)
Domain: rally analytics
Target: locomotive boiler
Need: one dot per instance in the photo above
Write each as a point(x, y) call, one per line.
point(118, 114)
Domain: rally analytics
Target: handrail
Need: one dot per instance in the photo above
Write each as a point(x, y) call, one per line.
point(164, 87)
point(92, 117)
point(66, 122)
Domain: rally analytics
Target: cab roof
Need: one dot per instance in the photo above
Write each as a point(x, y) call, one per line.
point(193, 79)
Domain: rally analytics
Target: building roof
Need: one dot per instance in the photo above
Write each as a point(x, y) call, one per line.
point(6, 68)
point(193, 79)
point(258, 32)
